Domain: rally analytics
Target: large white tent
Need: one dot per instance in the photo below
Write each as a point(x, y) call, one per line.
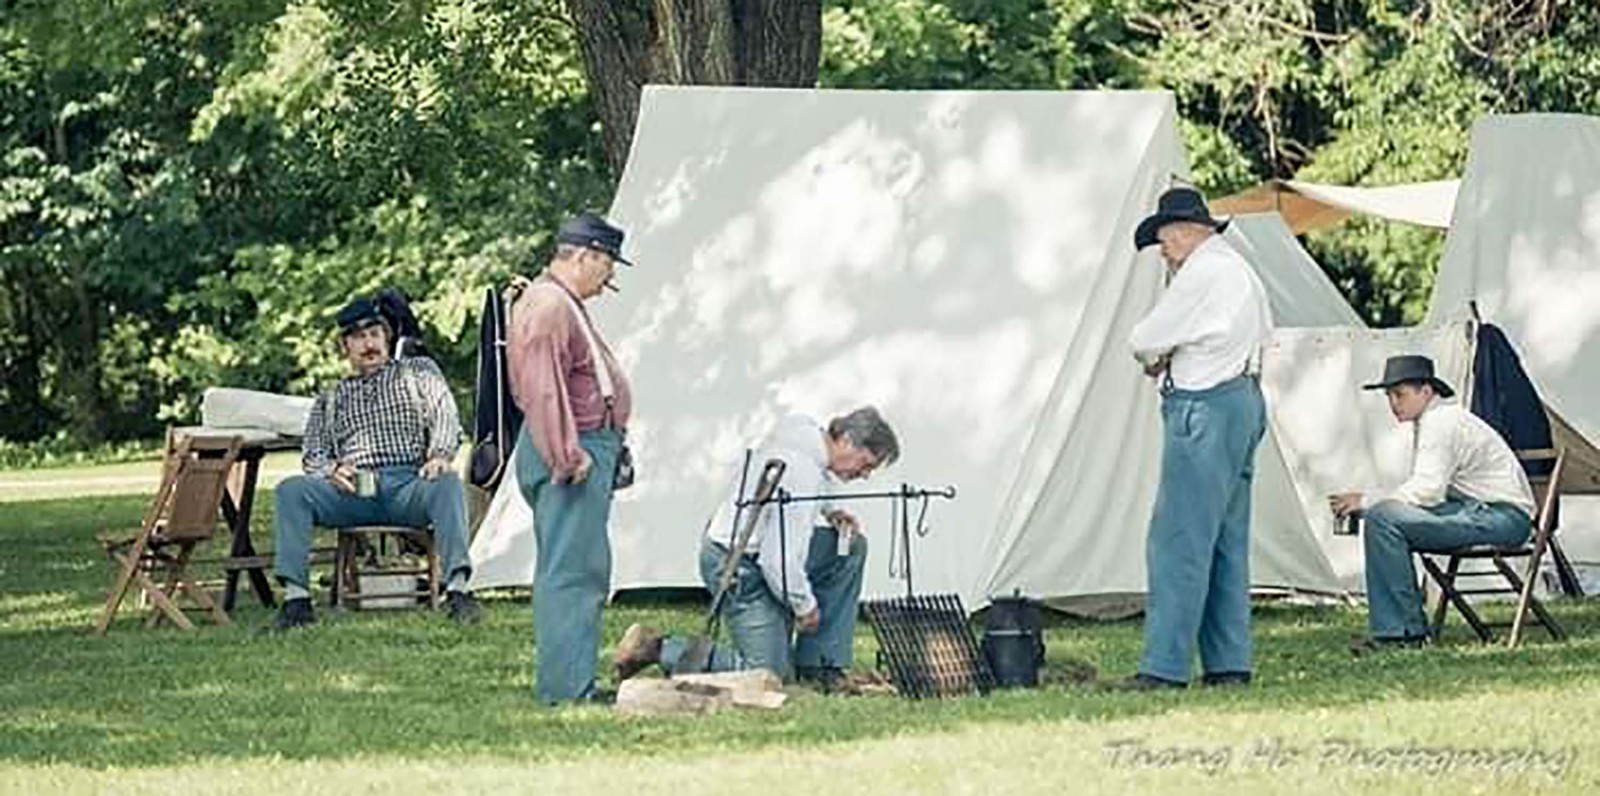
point(1525, 250)
point(961, 260)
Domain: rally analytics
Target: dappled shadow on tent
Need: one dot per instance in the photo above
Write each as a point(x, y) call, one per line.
point(955, 258)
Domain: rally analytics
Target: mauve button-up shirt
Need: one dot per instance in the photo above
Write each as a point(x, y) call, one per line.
point(553, 376)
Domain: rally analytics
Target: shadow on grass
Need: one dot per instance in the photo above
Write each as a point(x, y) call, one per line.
point(411, 684)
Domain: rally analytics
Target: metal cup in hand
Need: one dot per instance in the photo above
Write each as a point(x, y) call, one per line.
point(366, 484)
point(1348, 525)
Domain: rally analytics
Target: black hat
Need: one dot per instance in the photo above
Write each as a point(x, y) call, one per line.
point(1177, 204)
point(593, 232)
point(1410, 367)
point(358, 315)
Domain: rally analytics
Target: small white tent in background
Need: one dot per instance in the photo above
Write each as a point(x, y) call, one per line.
point(963, 260)
point(1525, 250)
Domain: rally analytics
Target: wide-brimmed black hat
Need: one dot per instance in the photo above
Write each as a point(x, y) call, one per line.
point(1177, 204)
point(1410, 367)
point(591, 231)
point(358, 315)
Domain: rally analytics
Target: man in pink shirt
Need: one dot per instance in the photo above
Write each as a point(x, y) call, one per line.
point(575, 403)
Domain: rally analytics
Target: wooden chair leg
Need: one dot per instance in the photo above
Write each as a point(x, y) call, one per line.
point(337, 589)
point(1526, 602)
point(170, 589)
point(196, 592)
point(129, 562)
point(435, 588)
point(1448, 586)
point(163, 603)
point(1445, 581)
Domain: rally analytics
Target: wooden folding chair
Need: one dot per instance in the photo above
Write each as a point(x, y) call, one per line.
point(186, 511)
point(1547, 491)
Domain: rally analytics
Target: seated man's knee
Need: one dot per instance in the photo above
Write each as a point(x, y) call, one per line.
point(295, 487)
point(447, 483)
point(1385, 512)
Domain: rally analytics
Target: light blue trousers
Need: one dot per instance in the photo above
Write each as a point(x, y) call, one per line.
point(1394, 530)
point(761, 625)
point(303, 502)
point(1197, 554)
point(573, 576)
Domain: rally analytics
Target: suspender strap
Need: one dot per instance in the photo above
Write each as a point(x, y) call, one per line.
point(602, 369)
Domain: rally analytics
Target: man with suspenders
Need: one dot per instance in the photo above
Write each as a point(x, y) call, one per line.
point(1203, 342)
point(575, 402)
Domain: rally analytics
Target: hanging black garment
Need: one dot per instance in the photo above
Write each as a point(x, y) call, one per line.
point(496, 419)
point(1505, 398)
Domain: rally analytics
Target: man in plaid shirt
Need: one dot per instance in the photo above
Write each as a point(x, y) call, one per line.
point(393, 422)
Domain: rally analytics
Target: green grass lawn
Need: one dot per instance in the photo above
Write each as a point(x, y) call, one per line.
point(406, 702)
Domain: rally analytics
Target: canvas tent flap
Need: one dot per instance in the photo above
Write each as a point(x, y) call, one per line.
point(1526, 251)
point(1300, 293)
point(1308, 206)
point(1090, 564)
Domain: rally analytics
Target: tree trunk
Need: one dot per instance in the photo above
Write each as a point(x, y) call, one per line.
point(628, 44)
point(82, 357)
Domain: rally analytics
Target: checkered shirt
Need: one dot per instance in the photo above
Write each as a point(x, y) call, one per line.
point(399, 416)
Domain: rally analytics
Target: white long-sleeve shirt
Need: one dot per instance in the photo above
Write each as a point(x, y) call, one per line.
point(1455, 452)
point(798, 441)
point(1213, 319)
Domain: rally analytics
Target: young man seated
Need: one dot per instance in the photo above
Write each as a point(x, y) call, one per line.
point(803, 582)
point(1466, 487)
point(378, 451)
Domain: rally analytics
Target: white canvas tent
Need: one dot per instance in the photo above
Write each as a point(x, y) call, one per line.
point(963, 260)
point(1525, 250)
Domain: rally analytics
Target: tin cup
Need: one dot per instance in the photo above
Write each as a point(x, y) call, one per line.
point(366, 484)
point(845, 538)
point(1348, 525)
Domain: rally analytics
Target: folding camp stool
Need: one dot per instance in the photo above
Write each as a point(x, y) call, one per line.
point(1546, 493)
point(360, 560)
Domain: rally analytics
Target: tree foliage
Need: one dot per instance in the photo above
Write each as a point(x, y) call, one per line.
point(189, 190)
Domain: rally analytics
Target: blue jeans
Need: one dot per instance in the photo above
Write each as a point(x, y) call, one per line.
point(303, 502)
point(573, 575)
point(1395, 530)
point(761, 625)
point(1197, 554)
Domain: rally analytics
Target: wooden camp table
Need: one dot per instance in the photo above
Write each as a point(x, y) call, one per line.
point(237, 503)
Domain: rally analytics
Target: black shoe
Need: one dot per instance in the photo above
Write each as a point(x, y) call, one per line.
point(294, 613)
point(1368, 645)
point(599, 696)
point(826, 679)
point(1146, 682)
point(1225, 679)
point(462, 608)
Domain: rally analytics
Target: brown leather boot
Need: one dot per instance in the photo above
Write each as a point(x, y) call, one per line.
point(640, 647)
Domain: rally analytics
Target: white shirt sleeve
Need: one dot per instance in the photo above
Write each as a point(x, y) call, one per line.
point(783, 556)
point(1176, 319)
point(1434, 462)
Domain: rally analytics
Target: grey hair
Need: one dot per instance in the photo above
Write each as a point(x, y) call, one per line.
point(865, 428)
